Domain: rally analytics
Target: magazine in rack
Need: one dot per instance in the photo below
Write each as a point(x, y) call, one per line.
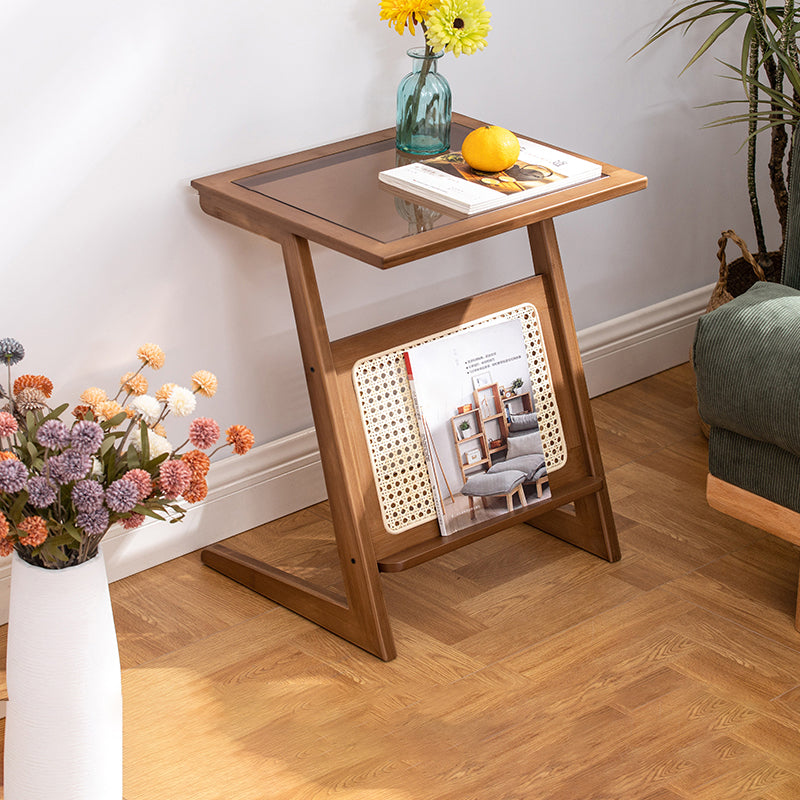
point(448, 181)
point(477, 420)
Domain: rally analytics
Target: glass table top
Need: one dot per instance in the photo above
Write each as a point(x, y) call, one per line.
point(344, 189)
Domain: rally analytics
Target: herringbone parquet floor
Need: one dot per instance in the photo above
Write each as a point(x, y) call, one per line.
point(527, 669)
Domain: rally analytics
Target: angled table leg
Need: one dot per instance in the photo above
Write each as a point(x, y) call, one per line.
point(592, 526)
point(361, 616)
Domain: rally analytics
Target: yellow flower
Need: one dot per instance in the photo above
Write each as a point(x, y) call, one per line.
point(458, 26)
point(204, 382)
point(402, 13)
point(152, 355)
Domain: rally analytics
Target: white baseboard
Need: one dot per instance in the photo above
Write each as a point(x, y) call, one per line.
point(640, 344)
point(281, 477)
point(270, 481)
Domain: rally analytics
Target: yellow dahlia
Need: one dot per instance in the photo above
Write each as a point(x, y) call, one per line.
point(134, 383)
point(406, 13)
point(458, 26)
point(204, 382)
point(152, 355)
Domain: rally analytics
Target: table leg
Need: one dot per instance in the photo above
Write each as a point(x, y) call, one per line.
point(361, 616)
point(591, 526)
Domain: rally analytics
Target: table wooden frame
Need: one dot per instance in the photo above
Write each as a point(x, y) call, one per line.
point(579, 509)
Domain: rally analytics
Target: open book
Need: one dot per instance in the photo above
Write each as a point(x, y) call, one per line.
point(478, 424)
point(448, 181)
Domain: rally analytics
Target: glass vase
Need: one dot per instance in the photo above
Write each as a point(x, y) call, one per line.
point(423, 106)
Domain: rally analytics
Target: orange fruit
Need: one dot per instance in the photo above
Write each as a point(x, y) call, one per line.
point(490, 148)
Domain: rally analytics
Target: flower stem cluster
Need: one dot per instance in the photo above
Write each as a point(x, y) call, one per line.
point(63, 484)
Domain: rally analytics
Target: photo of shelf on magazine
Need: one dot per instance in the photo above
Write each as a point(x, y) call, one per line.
point(478, 424)
point(448, 181)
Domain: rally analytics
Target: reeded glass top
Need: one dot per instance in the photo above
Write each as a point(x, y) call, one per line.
point(344, 189)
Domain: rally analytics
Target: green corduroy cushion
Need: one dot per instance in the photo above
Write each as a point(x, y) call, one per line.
point(758, 467)
point(747, 363)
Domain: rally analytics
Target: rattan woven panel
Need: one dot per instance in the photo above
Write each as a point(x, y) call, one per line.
point(390, 424)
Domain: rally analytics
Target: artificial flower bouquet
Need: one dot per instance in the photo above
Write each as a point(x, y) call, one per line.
point(64, 483)
point(453, 26)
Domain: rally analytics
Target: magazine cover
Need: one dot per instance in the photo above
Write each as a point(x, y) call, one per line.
point(518, 178)
point(447, 180)
point(477, 419)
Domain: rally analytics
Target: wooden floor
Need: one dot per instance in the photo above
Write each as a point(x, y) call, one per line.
point(527, 669)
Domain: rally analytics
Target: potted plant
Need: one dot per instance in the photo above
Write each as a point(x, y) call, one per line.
point(464, 427)
point(768, 61)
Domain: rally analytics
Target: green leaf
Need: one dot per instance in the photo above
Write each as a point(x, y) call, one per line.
point(15, 513)
point(133, 458)
point(148, 512)
point(145, 439)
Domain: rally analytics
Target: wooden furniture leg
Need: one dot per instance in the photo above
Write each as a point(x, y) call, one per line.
point(591, 526)
point(756, 511)
point(360, 616)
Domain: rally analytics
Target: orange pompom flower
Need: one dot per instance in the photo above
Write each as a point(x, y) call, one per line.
point(162, 395)
point(199, 462)
point(197, 491)
point(6, 548)
point(204, 382)
point(241, 437)
point(36, 530)
point(108, 409)
point(94, 396)
point(7, 455)
point(134, 383)
point(80, 412)
point(40, 382)
point(152, 355)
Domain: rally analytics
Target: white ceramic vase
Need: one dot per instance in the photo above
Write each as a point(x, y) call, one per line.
point(63, 738)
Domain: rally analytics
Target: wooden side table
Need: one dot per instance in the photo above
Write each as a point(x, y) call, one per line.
point(331, 195)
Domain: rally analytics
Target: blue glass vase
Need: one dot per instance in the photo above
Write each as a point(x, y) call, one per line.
point(423, 106)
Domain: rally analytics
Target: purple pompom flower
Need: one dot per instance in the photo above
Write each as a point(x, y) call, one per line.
point(11, 351)
point(53, 434)
point(69, 466)
point(95, 523)
point(40, 492)
point(87, 436)
point(13, 476)
point(87, 496)
point(122, 496)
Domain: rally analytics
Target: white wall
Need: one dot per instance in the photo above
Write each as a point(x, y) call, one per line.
point(109, 110)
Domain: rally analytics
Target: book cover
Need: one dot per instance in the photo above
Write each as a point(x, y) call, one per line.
point(449, 181)
point(477, 419)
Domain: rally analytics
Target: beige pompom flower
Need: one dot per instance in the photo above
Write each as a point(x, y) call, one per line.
point(94, 396)
point(108, 409)
point(31, 399)
point(204, 382)
point(152, 355)
point(134, 383)
point(162, 395)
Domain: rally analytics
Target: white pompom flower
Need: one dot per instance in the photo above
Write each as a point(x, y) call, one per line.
point(158, 444)
point(147, 407)
point(182, 401)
